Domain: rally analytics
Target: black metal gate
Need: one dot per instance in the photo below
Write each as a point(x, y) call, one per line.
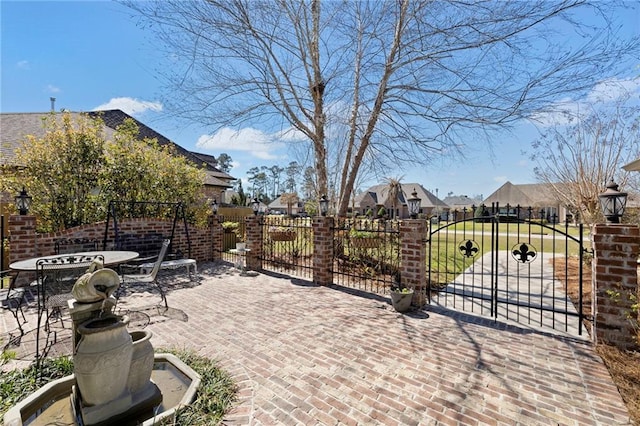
point(509, 263)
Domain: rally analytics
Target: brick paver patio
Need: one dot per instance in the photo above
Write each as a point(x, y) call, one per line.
point(308, 355)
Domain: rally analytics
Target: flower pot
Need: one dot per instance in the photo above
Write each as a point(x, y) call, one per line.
point(401, 301)
point(365, 242)
point(283, 235)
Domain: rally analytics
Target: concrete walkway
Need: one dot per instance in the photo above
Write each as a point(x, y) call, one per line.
point(308, 355)
point(526, 293)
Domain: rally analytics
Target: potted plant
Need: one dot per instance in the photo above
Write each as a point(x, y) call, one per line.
point(364, 239)
point(282, 233)
point(401, 297)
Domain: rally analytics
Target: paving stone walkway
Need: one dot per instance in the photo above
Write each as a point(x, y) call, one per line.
point(308, 355)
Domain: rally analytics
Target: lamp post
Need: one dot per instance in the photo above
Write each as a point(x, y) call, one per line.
point(324, 205)
point(255, 205)
point(414, 204)
point(23, 202)
point(613, 202)
point(214, 207)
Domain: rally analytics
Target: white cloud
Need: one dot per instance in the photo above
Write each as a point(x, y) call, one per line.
point(612, 90)
point(256, 142)
point(52, 89)
point(605, 92)
point(131, 106)
point(23, 65)
point(500, 179)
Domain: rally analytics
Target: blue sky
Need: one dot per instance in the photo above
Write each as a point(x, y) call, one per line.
point(91, 55)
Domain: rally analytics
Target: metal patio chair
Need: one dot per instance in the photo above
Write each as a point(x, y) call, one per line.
point(55, 279)
point(151, 276)
point(12, 297)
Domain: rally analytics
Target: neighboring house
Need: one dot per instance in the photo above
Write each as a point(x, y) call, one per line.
point(633, 166)
point(537, 196)
point(278, 206)
point(461, 202)
point(15, 126)
point(378, 196)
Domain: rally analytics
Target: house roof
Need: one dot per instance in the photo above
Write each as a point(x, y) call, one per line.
point(279, 204)
point(633, 166)
point(529, 195)
point(15, 126)
point(380, 195)
point(460, 201)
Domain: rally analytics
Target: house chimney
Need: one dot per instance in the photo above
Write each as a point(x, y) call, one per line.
point(53, 104)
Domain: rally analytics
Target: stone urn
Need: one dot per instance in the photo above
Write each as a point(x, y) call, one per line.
point(102, 359)
point(141, 361)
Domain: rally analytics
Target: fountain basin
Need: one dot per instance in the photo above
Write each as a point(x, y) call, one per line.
point(177, 382)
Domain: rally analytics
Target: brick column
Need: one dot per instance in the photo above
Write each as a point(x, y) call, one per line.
point(22, 231)
point(22, 243)
point(615, 281)
point(216, 235)
point(322, 250)
point(413, 254)
point(254, 242)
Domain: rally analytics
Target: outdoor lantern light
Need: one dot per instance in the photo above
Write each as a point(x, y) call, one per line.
point(414, 204)
point(255, 205)
point(23, 202)
point(214, 207)
point(613, 202)
point(324, 205)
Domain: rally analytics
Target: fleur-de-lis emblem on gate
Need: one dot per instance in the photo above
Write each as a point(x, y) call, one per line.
point(469, 248)
point(524, 253)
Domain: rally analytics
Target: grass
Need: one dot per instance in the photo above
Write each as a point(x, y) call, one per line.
point(446, 246)
point(214, 397)
point(16, 385)
point(473, 226)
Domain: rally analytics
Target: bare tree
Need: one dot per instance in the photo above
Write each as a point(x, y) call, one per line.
point(386, 81)
point(578, 159)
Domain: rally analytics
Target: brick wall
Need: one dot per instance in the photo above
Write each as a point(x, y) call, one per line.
point(615, 280)
point(254, 240)
point(413, 255)
point(322, 250)
point(26, 243)
point(22, 234)
point(616, 248)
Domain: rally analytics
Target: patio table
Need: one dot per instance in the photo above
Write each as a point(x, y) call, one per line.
point(113, 257)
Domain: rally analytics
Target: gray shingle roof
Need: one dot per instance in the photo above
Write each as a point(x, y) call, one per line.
point(380, 194)
point(15, 126)
point(525, 195)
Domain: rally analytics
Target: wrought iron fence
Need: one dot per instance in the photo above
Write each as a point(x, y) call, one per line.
point(233, 233)
point(288, 245)
point(509, 262)
point(366, 254)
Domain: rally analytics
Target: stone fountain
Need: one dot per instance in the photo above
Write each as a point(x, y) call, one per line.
point(114, 368)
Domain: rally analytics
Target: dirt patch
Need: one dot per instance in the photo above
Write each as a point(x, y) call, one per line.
point(624, 366)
